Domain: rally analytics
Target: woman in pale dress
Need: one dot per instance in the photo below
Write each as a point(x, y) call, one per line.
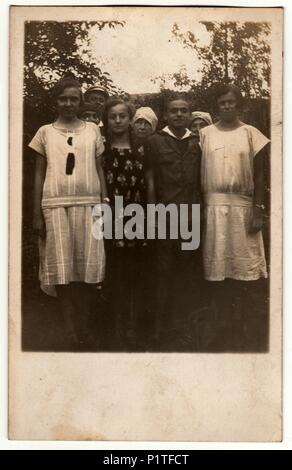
point(233, 185)
point(69, 182)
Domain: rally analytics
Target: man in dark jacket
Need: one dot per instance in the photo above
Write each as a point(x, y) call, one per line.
point(174, 157)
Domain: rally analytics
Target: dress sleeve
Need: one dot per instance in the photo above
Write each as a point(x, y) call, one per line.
point(202, 137)
point(99, 143)
point(259, 140)
point(38, 142)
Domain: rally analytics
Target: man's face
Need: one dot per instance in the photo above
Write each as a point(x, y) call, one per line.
point(178, 114)
point(96, 98)
point(90, 116)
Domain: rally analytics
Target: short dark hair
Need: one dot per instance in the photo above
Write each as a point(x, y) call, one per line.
point(224, 88)
point(66, 82)
point(175, 97)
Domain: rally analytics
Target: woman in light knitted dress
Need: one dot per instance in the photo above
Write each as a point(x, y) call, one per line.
point(69, 182)
point(233, 186)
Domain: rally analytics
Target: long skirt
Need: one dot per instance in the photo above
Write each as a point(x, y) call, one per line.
point(229, 250)
point(70, 252)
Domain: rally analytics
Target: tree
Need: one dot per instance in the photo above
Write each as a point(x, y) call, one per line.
point(51, 49)
point(237, 52)
point(179, 80)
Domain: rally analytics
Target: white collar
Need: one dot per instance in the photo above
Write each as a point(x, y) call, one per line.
point(185, 136)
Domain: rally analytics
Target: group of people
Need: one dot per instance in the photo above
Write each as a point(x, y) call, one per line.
point(101, 147)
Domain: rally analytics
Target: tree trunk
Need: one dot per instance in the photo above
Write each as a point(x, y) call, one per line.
point(225, 54)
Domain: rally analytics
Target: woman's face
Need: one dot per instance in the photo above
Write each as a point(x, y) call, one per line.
point(196, 125)
point(227, 107)
point(142, 128)
point(118, 119)
point(68, 102)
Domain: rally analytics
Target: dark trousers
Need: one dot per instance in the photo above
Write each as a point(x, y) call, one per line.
point(178, 274)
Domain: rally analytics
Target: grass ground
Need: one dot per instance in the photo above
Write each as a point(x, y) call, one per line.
point(198, 328)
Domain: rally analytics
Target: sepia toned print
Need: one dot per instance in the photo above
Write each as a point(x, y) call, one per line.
point(110, 137)
point(199, 315)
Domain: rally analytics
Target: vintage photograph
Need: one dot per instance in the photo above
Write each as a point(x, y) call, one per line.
point(182, 117)
point(145, 223)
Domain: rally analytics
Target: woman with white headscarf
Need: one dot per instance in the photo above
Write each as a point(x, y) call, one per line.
point(144, 124)
point(199, 120)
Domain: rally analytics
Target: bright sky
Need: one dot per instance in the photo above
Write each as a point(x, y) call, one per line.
point(145, 48)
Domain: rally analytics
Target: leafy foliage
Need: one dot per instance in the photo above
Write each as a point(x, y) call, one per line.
point(52, 49)
point(179, 79)
point(237, 52)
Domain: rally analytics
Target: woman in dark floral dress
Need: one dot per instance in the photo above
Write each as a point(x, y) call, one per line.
point(125, 176)
point(124, 172)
